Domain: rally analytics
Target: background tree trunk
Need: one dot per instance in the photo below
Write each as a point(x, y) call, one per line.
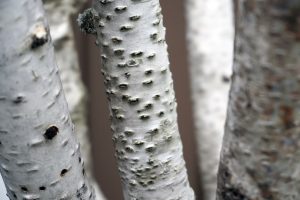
point(260, 154)
point(210, 44)
point(59, 16)
point(141, 96)
point(40, 157)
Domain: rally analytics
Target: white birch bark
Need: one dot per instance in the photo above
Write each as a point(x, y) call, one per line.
point(59, 16)
point(210, 47)
point(140, 91)
point(260, 154)
point(39, 155)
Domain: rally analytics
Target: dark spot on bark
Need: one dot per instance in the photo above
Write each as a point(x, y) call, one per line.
point(83, 171)
point(51, 132)
point(287, 116)
point(120, 9)
point(163, 71)
point(265, 191)
point(225, 79)
point(104, 2)
point(223, 175)
point(150, 149)
point(248, 105)
point(125, 28)
point(127, 75)
point(233, 194)
point(144, 117)
point(133, 101)
point(147, 83)
point(42, 188)
point(129, 149)
point(225, 189)
point(81, 191)
point(137, 54)
point(156, 97)
point(119, 52)
point(125, 97)
point(129, 133)
point(134, 18)
point(148, 106)
point(160, 114)
point(153, 36)
point(138, 143)
point(148, 72)
point(108, 17)
point(121, 65)
point(24, 189)
point(123, 86)
point(116, 40)
point(86, 21)
point(38, 41)
point(63, 172)
point(18, 99)
point(132, 63)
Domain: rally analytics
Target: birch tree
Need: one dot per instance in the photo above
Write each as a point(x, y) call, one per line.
point(260, 154)
point(210, 45)
point(59, 15)
point(39, 155)
point(141, 98)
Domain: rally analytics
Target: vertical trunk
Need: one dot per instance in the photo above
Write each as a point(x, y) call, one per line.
point(210, 44)
point(39, 155)
point(59, 15)
point(260, 154)
point(142, 102)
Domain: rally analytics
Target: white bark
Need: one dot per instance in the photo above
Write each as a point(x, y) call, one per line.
point(260, 154)
point(141, 96)
point(59, 16)
point(210, 45)
point(39, 155)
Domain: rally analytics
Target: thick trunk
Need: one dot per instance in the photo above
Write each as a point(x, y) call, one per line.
point(59, 16)
point(210, 44)
point(142, 102)
point(260, 154)
point(40, 157)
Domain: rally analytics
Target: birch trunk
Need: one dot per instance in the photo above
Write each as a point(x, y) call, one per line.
point(210, 45)
point(260, 154)
point(141, 98)
point(59, 16)
point(39, 155)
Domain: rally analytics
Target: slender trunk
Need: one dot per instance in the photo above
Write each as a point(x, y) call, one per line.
point(210, 44)
point(39, 155)
point(59, 16)
point(142, 102)
point(260, 154)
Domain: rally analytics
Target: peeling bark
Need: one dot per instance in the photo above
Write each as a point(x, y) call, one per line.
point(39, 155)
point(140, 91)
point(210, 45)
point(59, 16)
point(260, 154)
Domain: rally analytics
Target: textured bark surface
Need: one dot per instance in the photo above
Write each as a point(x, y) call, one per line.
point(141, 96)
point(210, 45)
point(260, 154)
point(39, 155)
point(59, 17)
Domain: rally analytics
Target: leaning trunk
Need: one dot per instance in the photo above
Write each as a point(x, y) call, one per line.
point(142, 102)
point(59, 16)
point(40, 158)
point(210, 45)
point(260, 154)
